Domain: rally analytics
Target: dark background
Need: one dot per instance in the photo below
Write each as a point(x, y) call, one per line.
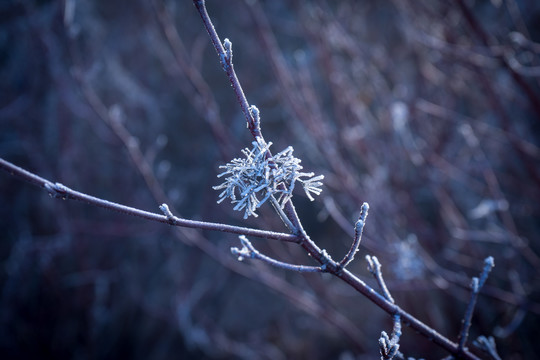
point(428, 110)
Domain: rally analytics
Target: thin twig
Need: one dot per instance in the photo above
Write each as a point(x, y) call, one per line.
point(227, 65)
point(61, 191)
point(249, 251)
point(358, 229)
point(389, 345)
point(374, 267)
point(281, 214)
point(487, 344)
point(476, 285)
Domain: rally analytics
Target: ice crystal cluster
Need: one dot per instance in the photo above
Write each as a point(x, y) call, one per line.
point(252, 180)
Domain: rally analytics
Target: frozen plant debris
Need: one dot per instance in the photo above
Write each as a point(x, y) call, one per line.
point(257, 177)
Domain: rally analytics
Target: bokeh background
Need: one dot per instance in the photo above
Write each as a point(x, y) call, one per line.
point(428, 110)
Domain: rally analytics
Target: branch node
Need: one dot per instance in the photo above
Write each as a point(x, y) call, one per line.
point(256, 115)
point(327, 262)
point(247, 250)
point(57, 190)
point(167, 212)
point(226, 58)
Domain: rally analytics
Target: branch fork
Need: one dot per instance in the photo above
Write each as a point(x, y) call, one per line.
point(248, 251)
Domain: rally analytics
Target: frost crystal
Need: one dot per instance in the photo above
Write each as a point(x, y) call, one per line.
point(252, 180)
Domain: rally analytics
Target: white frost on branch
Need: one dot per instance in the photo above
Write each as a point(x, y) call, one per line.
point(252, 180)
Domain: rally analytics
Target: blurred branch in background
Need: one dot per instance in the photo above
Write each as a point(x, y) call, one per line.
point(400, 104)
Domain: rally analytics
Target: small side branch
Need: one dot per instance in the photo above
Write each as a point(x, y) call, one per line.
point(476, 285)
point(249, 251)
point(282, 215)
point(389, 345)
point(487, 345)
point(374, 267)
point(358, 229)
point(58, 190)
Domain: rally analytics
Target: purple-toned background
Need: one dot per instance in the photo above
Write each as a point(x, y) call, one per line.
point(428, 110)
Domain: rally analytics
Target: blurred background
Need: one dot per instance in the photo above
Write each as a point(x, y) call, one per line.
point(428, 110)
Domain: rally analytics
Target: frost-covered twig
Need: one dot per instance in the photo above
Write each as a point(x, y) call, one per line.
point(225, 54)
point(389, 345)
point(249, 251)
point(282, 215)
point(487, 344)
point(476, 285)
point(311, 248)
point(58, 190)
point(167, 212)
point(374, 267)
point(358, 229)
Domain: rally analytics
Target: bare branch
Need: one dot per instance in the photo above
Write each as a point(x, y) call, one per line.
point(225, 54)
point(389, 345)
point(61, 191)
point(374, 267)
point(476, 285)
point(358, 229)
point(249, 251)
point(487, 344)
